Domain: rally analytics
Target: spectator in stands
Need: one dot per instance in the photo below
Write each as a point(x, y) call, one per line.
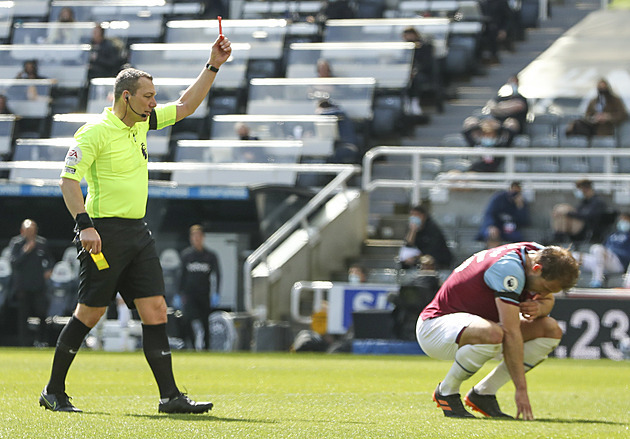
point(4, 106)
point(200, 286)
point(32, 266)
point(424, 237)
point(243, 131)
point(106, 56)
point(613, 256)
point(324, 69)
point(345, 126)
point(509, 104)
point(337, 9)
point(505, 214)
point(422, 75)
point(30, 70)
point(248, 154)
point(497, 14)
point(586, 221)
point(489, 133)
point(603, 114)
point(346, 148)
point(356, 274)
point(61, 34)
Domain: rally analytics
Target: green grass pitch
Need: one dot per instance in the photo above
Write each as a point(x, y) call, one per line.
point(281, 395)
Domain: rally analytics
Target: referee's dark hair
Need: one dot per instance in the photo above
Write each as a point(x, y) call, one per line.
point(127, 79)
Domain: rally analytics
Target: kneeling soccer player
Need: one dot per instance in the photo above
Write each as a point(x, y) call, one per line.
point(497, 301)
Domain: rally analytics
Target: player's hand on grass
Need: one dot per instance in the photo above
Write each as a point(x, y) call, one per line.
point(523, 408)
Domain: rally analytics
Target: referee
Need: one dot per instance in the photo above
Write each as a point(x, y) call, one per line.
point(111, 153)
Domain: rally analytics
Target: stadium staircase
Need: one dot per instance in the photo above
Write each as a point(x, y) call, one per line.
point(461, 216)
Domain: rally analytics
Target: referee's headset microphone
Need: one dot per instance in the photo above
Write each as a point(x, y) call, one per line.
point(129, 103)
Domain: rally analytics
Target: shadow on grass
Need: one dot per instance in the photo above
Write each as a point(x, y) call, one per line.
point(198, 417)
point(327, 421)
point(579, 421)
point(557, 421)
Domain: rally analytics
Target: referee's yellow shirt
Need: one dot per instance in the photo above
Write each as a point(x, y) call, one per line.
point(113, 159)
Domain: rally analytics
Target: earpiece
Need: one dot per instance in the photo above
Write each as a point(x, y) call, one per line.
point(139, 114)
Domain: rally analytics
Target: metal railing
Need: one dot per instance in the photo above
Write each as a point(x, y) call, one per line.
point(492, 180)
point(342, 174)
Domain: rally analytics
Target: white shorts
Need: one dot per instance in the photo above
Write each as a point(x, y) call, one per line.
point(438, 337)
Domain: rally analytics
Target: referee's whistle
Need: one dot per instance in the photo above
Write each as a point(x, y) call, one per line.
point(100, 261)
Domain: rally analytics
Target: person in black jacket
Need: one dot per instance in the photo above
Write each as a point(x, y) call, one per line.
point(586, 221)
point(106, 55)
point(505, 215)
point(32, 265)
point(424, 237)
point(498, 16)
point(200, 282)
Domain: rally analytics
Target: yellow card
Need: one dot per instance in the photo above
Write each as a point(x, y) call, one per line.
point(100, 261)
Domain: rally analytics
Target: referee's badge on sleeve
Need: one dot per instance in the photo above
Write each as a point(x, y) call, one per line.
point(74, 156)
point(510, 283)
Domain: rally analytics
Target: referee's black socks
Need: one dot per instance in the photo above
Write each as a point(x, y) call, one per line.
point(68, 345)
point(158, 354)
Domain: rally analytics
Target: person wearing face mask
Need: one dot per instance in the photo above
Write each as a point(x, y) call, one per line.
point(585, 221)
point(603, 114)
point(424, 237)
point(613, 256)
point(505, 214)
point(356, 274)
point(489, 133)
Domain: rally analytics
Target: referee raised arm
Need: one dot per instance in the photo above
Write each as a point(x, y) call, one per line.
point(117, 251)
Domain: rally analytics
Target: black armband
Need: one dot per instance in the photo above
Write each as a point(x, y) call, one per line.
point(83, 221)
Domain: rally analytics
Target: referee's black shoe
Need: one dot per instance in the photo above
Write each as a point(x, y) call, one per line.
point(57, 402)
point(451, 405)
point(487, 405)
point(183, 404)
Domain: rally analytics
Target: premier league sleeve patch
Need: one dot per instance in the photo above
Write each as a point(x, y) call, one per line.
point(506, 278)
point(74, 156)
point(510, 283)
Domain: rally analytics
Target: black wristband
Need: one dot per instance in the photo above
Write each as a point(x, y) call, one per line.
point(212, 68)
point(83, 221)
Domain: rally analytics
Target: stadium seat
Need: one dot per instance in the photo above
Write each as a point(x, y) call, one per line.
point(521, 141)
point(574, 165)
point(456, 164)
point(62, 286)
point(387, 112)
point(623, 135)
point(7, 126)
point(429, 168)
point(455, 140)
point(70, 256)
point(597, 164)
point(5, 278)
point(542, 128)
point(545, 164)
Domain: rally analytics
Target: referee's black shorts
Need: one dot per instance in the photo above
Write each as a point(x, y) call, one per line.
point(134, 266)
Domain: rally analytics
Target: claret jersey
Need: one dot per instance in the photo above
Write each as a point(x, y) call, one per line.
point(473, 286)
